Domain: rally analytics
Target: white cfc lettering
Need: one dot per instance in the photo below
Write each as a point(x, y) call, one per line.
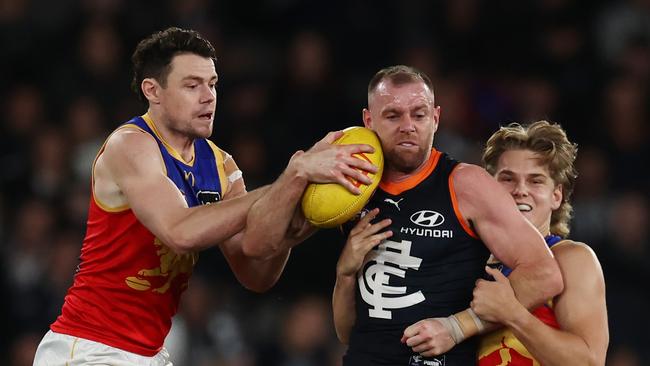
point(373, 282)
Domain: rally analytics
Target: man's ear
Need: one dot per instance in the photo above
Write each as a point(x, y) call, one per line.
point(151, 90)
point(558, 195)
point(436, 118)
point(367, 118)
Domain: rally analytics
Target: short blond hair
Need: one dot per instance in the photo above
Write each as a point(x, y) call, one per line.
point(550, 142)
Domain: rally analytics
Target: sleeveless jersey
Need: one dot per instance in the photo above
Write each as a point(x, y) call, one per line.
point(426, 269)
point(128, 284)
point(501, 347)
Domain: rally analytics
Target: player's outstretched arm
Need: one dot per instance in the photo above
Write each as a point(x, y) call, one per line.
point(363, 237)
point(269, 232)
point(130, 171)
point(580, 311)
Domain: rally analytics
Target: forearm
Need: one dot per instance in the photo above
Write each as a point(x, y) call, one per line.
point(550, 346)
point(258, 275)
point(343, 306)
point(529, 284)
point(532, 284)
point(270, 216)
point(537, 282)
point(208, 225)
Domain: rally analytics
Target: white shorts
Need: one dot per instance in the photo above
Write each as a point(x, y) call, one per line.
point(58, 349)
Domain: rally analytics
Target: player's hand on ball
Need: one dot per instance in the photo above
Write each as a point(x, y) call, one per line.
point(326, 162)
point(363, 237)
point(429, 337)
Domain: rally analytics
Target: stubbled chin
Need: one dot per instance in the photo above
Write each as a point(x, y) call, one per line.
point(203, 131)
point(405, 161)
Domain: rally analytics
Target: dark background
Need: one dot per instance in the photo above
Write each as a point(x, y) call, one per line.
point(289, 71)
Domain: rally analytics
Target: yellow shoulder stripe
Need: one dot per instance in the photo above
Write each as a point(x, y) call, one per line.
point(219, 158)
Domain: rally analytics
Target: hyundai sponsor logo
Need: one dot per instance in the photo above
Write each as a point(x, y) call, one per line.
point(427, 218)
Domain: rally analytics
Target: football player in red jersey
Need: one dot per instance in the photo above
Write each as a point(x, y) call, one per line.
point(150, 212)
point(535, 164)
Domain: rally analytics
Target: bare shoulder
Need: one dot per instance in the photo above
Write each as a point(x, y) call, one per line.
point(573, 250)
point(574, 253)
point(475, 187)
point(127, 142)
point(130, 152)
point(468, 173)
point(578, 260)
point(234, 177)
point(229, 163)
point(470, 179)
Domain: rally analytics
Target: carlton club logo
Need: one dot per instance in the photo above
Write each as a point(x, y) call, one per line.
point(373, 281)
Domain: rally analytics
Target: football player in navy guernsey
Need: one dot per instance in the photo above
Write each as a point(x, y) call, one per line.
point(410, 262)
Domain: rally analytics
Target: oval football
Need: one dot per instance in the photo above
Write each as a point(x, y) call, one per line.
point(329, 205)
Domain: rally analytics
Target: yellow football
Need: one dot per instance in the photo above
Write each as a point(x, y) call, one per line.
point(330, 204)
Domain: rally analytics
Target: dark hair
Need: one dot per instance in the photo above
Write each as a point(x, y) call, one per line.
point(398, 75)
point(550, 142)
point(153, 55)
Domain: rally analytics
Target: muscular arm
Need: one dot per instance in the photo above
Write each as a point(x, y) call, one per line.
point(508, 235)
point(255, 275)
point(580, 310)
point(258, 274)
point(270, 217)
point(131, 171)
point(492, 213)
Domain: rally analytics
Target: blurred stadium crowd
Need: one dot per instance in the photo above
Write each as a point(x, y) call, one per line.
point(289, 71)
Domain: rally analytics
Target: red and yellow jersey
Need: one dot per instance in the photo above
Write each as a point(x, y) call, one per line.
point(128, 284)
point(501, 347)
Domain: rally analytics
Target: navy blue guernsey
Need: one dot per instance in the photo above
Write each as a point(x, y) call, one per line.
point(427, 269)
